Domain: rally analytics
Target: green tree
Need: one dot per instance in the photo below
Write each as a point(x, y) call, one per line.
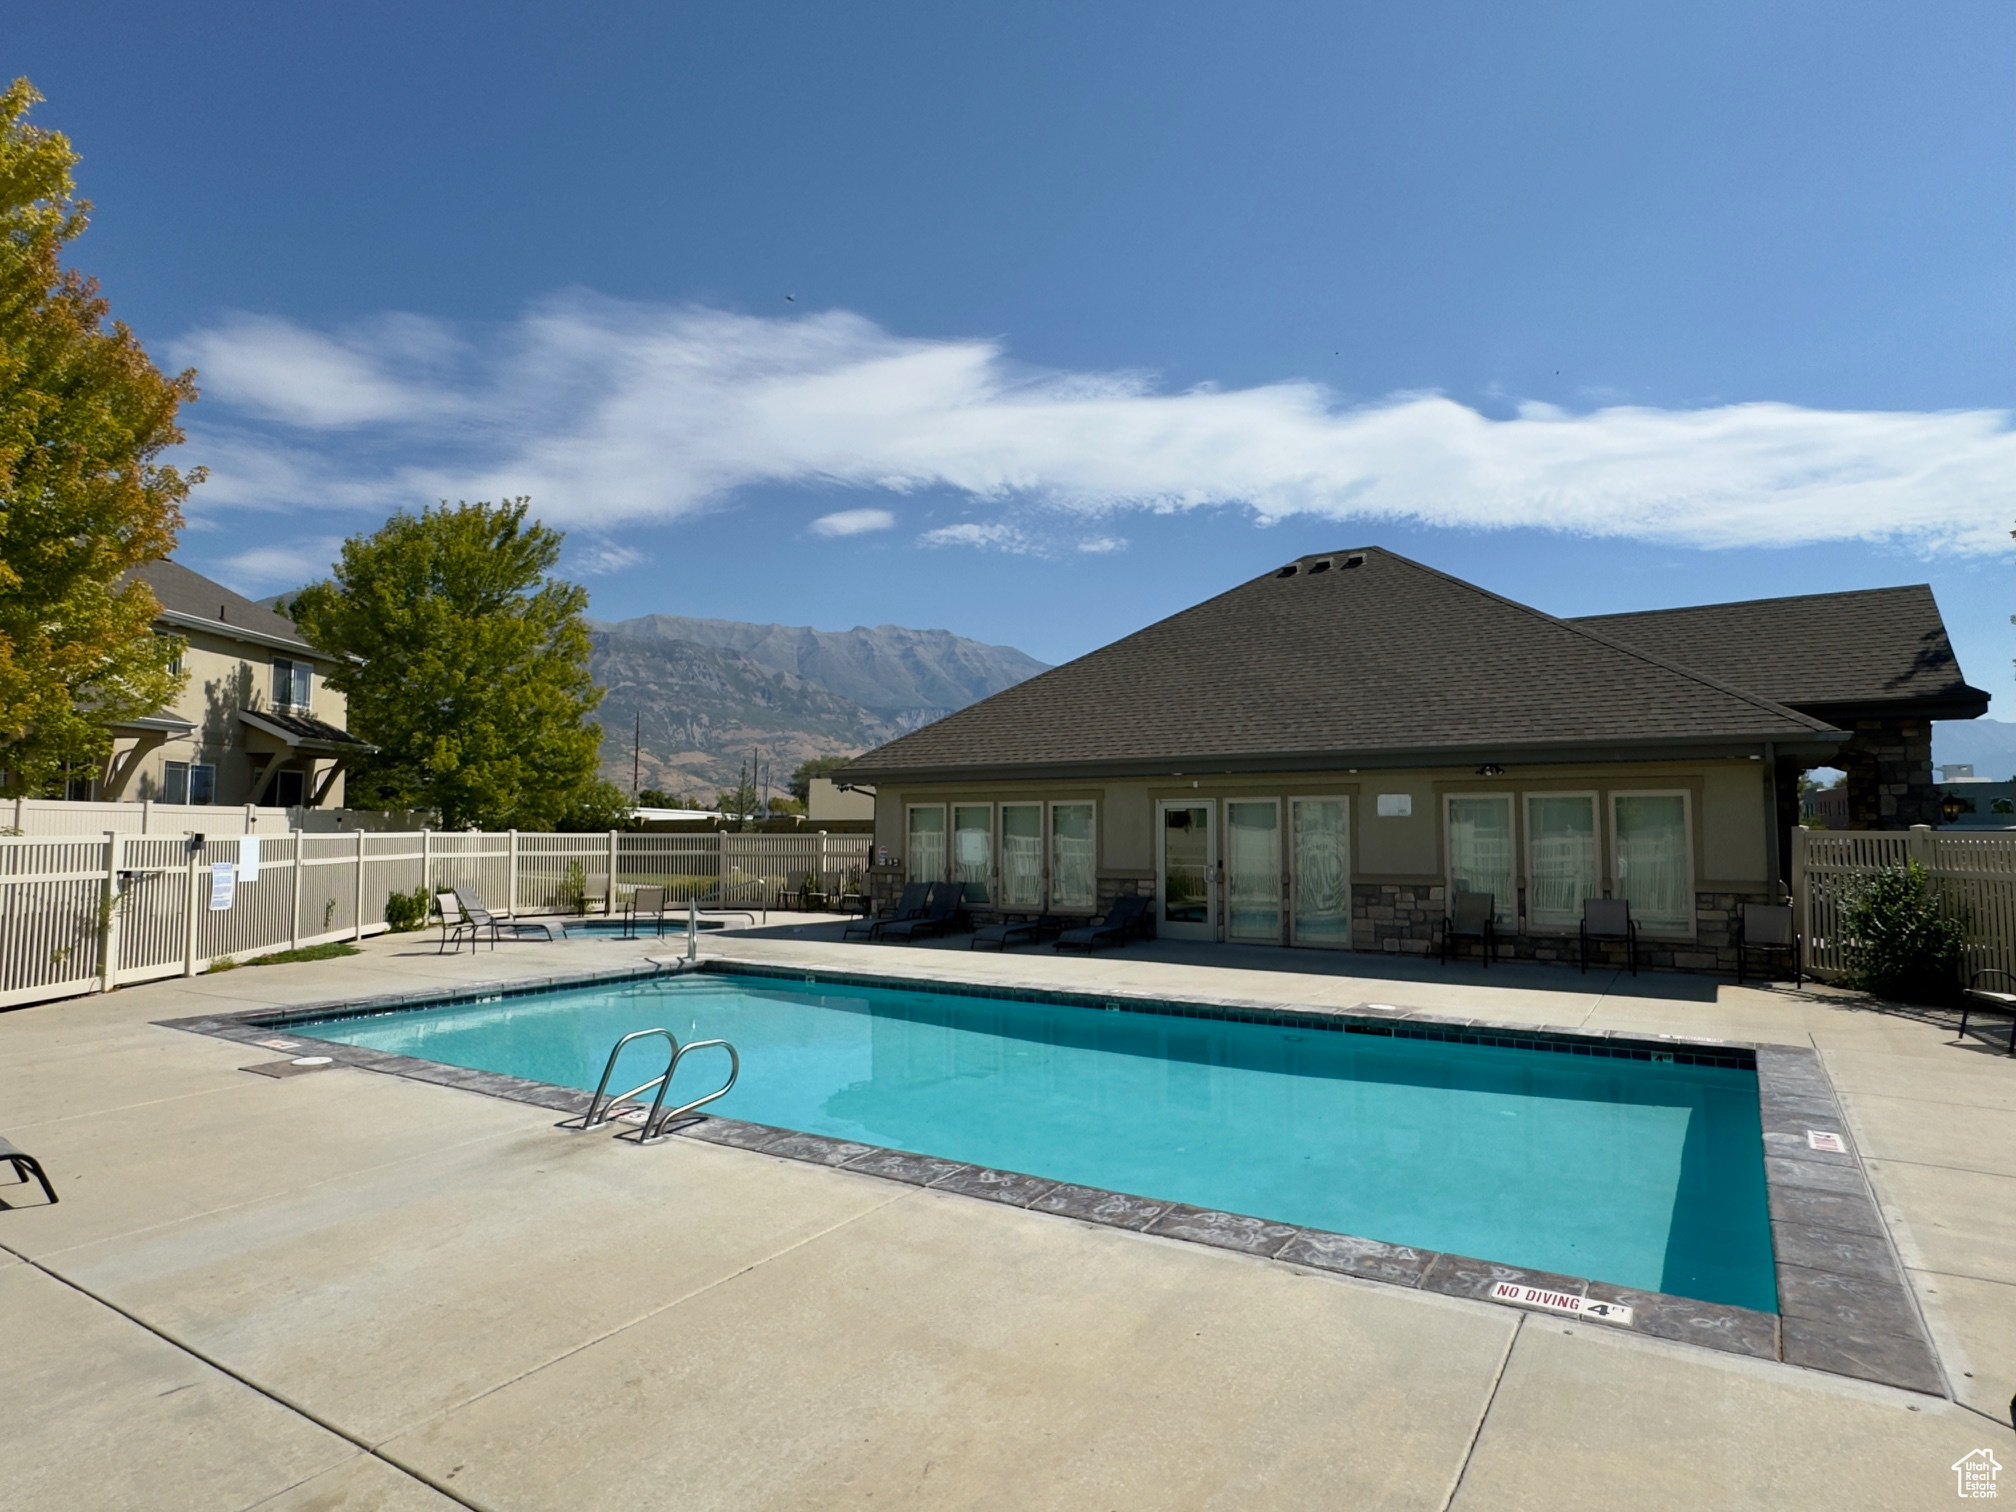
point(741, 801)
point(817, 766)
point(464, 663)
point(84, 419)
point(596, 805)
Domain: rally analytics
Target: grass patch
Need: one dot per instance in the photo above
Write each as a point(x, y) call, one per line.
point(327, 952)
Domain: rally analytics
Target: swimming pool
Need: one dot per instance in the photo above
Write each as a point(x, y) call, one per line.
point(620, 928)
point(1636, 1172)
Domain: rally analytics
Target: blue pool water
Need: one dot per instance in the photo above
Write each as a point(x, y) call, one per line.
point(1644, 1174)
point(622, 929)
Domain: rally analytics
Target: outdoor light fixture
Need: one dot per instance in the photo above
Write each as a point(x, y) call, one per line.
point(1952, 806)
point(1490, 769)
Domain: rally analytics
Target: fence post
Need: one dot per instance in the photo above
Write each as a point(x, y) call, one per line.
point(357, 919)
point(512, 906)
point(426, 860)
point(108, 917)
point(1920, 842)
point(609, 897)
point(189, 934)
point(146, 813)
point(300, 868)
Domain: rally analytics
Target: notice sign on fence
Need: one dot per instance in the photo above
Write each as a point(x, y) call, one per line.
point(248, 859)
point(223, 885)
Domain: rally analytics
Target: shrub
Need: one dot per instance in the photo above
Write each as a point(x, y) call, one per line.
point(574, 888)
point(407, 911)
point(1900, 944)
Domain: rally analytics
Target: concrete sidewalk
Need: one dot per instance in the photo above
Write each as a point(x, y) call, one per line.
point(353, 1290)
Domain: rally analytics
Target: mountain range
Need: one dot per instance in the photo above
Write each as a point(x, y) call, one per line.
point(703, 695)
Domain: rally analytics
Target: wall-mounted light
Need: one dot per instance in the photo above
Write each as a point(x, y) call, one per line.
point(1490, 769)
point(1952, 806)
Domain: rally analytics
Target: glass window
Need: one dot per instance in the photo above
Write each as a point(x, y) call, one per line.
point(202, 783)
point(1074, 864)
point(175, 782)
point(1186, 864)
point(1652, 860)
point(1561, 861)
point(292, 684)
point(1322, 871)
point(290, 790)
point(926, 847)
point(1022, 855)
point(1480, 852)
point(973, 848)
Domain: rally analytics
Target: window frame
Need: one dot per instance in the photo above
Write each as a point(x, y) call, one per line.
point(1050, 902)
point(1041, 900)
point(1291, 863)
point(910, 849)
point(952, 865)
point(1692, 891)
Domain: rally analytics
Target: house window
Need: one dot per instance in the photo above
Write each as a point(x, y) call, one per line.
point(973, 846)
point(176, 646)
point(1022, 855)
point(926, 842)
point(1480, 852)
point(1562, 867)
point(1654, 871)
point(289, 790)
point(188, 782)
point(79, 789)
point(1074, 865)
point(293, 685)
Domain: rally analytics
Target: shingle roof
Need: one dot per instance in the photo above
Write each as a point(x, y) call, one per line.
point(1819, 651)
point(1331, 659)
point(184, 592)
point(297, 728)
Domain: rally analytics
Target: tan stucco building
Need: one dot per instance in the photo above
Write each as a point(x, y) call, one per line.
point(1325, 755)
point(255, 723)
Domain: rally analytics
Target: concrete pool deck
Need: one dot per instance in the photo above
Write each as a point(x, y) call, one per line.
point(355, 1290)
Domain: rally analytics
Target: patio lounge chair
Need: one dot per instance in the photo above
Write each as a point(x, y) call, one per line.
point(644, 903)
point(1767, 926)
point(941, 913)
point(1472, 916)
point(909, 906)
point(1609, 919)
point(1026, 929)
point(503, 926)
point(1990, 991)
point(25, 1166)
point(1126, 918)
point(455, 924)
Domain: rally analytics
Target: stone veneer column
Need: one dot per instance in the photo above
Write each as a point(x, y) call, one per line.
point(1889, 767)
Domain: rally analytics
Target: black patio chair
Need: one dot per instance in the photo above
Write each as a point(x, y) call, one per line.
point(1609, 919)
point(1768, 927)
point(1024, 929)
point(909, 906)
point(1126, 918)
point(941, 913)
point(25, 1166)
point(1471, 916)
point(1979, 997)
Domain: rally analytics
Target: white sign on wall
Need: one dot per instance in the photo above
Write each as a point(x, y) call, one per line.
point(248, 859)
point(1396, 805)
point(223, 885)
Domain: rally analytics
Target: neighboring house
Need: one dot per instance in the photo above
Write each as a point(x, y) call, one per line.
point(256, 722)
point(1319, 756)
point(1827, 808)
point(827, 802)
point(1977, 803)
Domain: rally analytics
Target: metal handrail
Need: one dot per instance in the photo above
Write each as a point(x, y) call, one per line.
point(653, 1128)
point(597, 1115)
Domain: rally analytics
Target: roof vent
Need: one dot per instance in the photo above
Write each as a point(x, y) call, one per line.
point(1356, 559)
point(1290, 570)
point(1322, 565)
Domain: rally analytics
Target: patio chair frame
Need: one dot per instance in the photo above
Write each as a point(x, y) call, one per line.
point(1628, 935)
point(1457, 924)
point(1988, 1000)
point(25, 1166)
point(1781, 914)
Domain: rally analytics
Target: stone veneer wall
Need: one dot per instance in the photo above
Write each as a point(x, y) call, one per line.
point(1888, 763)
point(1402, 918)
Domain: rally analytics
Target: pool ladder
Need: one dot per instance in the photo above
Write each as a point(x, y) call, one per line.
point(653, 1127)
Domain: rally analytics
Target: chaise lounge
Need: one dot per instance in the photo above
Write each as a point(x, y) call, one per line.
point(1127, 918)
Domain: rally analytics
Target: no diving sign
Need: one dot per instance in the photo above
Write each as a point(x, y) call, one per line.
point(1567, 1304)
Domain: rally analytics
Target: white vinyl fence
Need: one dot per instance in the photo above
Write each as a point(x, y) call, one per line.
point(43, 817)
point(82, 914)
point(1974, 873)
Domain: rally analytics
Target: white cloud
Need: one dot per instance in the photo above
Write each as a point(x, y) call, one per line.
point(992, 537)
point(1098, 545)
point(600, 558)
point(608, 412)
point(853, 522)
point(282, 566)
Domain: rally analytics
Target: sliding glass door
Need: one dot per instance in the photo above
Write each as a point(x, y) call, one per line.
point(1480, 852)
point(1022, 856)
point(925, 846)
point(1253, 870)
point(1654, 860)
point(973, 850)
point(1320, 871)
point(1562, 865)
point(1185, 866)
point(1074, 861)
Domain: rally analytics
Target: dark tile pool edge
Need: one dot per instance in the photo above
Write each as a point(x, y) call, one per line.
point(1855, 1322)
point(1843, 1303)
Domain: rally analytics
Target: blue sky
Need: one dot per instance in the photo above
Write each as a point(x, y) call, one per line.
point(1063, 317)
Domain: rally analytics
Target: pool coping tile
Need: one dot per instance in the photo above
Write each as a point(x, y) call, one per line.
point(1844, 1306)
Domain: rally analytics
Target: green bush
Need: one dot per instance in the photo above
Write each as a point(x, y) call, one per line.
point(1900, 943)
point(574, 888)
point(407, 911)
